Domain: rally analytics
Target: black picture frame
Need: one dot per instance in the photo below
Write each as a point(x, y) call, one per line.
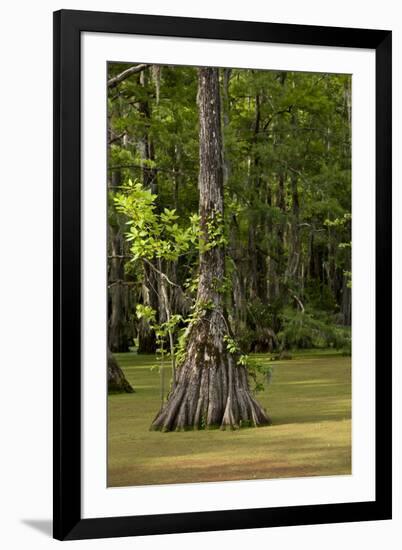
point(68, 522)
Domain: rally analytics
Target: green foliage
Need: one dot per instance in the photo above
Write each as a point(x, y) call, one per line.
point(215, 233)
point(261, 373)
point(231, 345)
point(162, 331)
point(153, 234)
point(320, 297)
point(147, 313)
point(338, 221)
point(197, 311)
point(311, 330)
point(286, 229)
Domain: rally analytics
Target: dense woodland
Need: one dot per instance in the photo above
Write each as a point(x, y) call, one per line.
point(229, 227)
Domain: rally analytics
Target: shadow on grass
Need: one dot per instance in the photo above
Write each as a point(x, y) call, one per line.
point(309, 404)
point(202, 471)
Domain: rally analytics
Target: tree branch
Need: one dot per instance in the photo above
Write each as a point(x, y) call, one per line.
point(154, 168)
point(163, 275)
point(116, 137)
point(113, 82)
point(121, 282)
point(299, 302)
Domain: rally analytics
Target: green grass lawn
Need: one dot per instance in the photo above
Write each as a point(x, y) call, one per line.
point(309, 401)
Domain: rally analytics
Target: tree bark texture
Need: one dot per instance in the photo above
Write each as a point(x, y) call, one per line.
point(122, 330)
point(211, 389)
point(116, 381)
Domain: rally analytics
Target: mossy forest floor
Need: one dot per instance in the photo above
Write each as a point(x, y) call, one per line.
point(309, 401)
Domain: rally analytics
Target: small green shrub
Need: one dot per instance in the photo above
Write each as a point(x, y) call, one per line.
point(311, 329)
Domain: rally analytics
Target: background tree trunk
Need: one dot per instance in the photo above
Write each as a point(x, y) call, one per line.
point(211, 389)
point(122, 329)
point(146, 336)
point(116, 381)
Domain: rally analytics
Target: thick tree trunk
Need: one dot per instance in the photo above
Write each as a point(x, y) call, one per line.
point(211, 389)
point(116, 381)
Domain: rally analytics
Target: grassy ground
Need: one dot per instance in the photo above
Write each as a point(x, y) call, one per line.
point(309, 401)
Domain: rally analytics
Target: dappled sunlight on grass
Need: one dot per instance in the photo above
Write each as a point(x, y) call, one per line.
point(309, 401)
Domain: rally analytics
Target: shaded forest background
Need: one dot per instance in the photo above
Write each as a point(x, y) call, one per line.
point(287, 190)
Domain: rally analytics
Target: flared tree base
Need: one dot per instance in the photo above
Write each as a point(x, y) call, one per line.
point(116, 381)
point(211, 391)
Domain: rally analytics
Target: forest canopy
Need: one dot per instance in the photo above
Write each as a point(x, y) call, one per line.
point(278, 145)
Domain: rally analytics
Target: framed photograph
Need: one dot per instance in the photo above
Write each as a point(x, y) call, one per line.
point(222, 275)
